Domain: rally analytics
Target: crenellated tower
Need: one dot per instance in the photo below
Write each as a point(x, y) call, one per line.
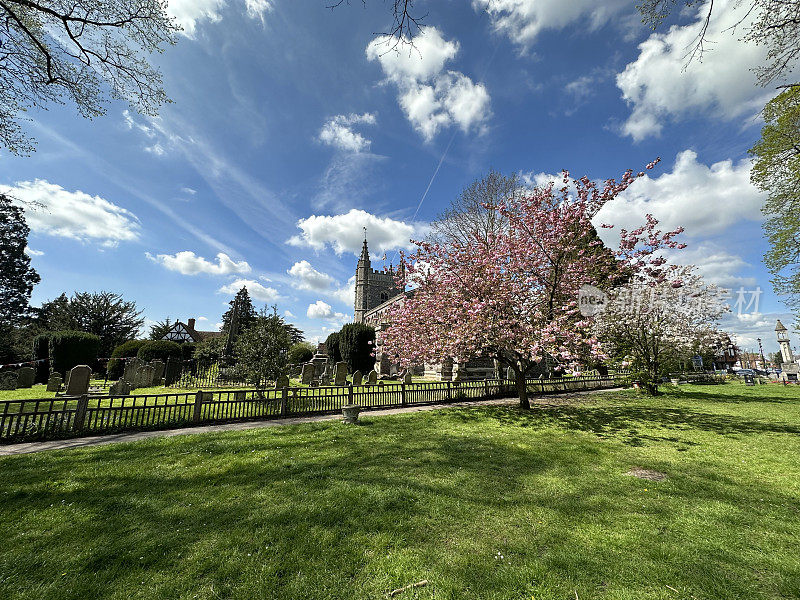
point(373, 288)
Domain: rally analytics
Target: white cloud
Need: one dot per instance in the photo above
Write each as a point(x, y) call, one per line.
point(660, 84)
point(256, 290)
point(323, 310)
point(338, 132)
point(346, 294)
point(288, 313)
point(306, 277)
point(156, 149)
point(345, 232)
point(31, 252)
point(523, 20)
point(256, 9)
point(52, 210)
point(431, 98)
point(715, 264)
point(188, 190)
point(187, 263)
point(188, 12)
point(704, 200)
point(202, 318)
point(319, 310)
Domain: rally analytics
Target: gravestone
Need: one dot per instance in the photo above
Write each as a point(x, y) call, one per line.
point(131, 367)
point(307, 374)
point(8, 380)
point(510, 375)
point(407, 376)
point(120, 388)
point(54, 383)
point(158, 371)
point(357, 377)
point(325, 379)
point(149, 375)
point(340, 374)
point(282, 381)
point(372, 377)
point(78, 382)
point(25, 377)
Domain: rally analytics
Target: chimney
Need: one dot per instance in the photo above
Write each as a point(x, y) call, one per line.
point(191, 324)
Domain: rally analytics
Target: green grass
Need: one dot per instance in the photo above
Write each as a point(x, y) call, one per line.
point(483, 502)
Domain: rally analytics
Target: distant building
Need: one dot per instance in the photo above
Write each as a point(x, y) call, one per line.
point(789, 367)
point(182, 332)
point(376, 293)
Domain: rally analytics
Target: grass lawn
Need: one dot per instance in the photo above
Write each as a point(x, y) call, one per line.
point(482, 502)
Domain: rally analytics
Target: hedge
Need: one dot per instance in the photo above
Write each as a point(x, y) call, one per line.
point(356, 345)
point(41, 351)
point(332, 347)
point(161, 350)
point(71, 348)
point(129, 349)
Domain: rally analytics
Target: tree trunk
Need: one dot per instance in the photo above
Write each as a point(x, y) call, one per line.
point(522, 390)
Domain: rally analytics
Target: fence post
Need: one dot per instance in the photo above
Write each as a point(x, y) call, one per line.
point(403, 393)
point(486, 389)
point(198, 406)
point(449, 391)
point(80, 412)
point(284, 401)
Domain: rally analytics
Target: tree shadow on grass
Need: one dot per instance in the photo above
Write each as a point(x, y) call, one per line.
point(624, 422)
point(311, 511)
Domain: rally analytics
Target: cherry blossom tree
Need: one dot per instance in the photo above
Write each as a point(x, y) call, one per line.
point(514, 299)
point(646, 322)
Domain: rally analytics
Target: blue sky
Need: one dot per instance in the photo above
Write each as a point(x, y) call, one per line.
point(292, 126)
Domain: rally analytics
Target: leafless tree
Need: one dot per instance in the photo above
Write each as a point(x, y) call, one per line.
point(468, 215)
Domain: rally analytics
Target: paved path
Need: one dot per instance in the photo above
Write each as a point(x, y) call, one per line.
point(99, 440)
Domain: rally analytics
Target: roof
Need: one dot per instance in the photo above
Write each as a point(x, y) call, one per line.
point(180, 332)
point(779, 326)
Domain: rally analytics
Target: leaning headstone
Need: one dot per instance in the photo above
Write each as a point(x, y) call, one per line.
point(54, 383)
point(307, 374)
point(282, 381)
point(8, 380)
point(372, 377)
point(120, 388)
point(158, 371)
point(25, 377)
point(78, 383)
point(340, 374)
point(357, 377)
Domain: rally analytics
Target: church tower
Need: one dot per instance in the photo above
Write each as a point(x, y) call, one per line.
point(783, 342)
point(363, 270)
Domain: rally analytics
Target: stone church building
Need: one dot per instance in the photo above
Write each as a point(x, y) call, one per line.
point(376, 292)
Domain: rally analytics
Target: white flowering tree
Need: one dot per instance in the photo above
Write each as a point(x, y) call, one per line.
point(648, 321)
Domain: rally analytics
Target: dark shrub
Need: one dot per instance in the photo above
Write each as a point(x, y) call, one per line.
point(41, 350)
point(356, 345)
point(332, 347)
point(187, 350)
point(128, 349)
point(70, 348)
point(300, 353)
point(159, 349)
